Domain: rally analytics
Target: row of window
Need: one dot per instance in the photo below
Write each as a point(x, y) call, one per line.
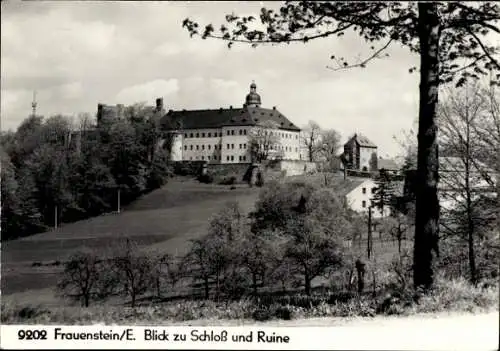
point(214, 134)
point(233, 132)
point(209, 158)
point(281, 134)
point(242, 146)
point(216, 147)
point(364, 190)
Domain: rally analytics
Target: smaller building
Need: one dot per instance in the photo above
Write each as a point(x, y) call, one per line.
point(359, 153)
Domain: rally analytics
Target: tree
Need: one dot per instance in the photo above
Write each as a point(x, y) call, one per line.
point(311, 136)
point(328, 147)
point(446, 36)
point(383, 197)
point(264, 141)
point(134, 270)
point(465, 177)
point(86, 277)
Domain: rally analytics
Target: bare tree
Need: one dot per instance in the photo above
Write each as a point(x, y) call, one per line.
point(264, 141)
point(311, 136)
point(464, 176)
point(134, 270)
point(449, 39)
point(86, 277)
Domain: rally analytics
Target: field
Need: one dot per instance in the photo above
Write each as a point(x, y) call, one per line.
point(162, 221)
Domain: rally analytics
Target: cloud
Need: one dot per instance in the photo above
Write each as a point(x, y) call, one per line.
point(148, 91)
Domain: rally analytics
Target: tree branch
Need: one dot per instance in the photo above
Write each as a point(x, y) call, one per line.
point(363, 63)
point(485, 50)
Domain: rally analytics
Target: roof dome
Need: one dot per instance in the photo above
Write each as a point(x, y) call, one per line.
point(253, 99)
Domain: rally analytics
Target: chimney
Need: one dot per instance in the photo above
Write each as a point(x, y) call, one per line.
point(159, 104)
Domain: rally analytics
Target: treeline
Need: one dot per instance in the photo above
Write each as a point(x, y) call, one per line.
point(55, 172)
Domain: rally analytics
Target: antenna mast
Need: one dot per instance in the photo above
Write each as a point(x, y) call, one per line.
point(34, 104)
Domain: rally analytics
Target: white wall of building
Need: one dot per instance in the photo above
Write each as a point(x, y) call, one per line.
point(365, 154)
point(359, 199)
point(231, 144)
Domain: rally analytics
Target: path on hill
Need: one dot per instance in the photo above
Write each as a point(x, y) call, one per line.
point(443, 331)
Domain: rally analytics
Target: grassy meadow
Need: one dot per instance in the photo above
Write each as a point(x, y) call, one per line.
point(162, 221)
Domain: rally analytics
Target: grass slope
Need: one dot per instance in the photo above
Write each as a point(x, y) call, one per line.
point(163, 220)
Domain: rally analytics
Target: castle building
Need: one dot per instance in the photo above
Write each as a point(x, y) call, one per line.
point(358, 153)
point(224, 135)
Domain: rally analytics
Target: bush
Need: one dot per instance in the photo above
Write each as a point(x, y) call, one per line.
point(260, 179)
point(228, 180)
point(206, 178)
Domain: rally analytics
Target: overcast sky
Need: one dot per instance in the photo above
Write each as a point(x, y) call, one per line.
point(76, 54)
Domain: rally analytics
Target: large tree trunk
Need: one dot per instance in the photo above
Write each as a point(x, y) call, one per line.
point(427, 203)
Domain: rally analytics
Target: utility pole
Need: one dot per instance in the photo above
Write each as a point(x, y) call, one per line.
point(369, 238)
point(55, 217)
point(119, 195)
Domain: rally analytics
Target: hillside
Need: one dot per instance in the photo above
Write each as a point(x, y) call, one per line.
point(163, 220)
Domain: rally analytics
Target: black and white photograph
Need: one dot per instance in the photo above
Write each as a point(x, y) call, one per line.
point(314, 174)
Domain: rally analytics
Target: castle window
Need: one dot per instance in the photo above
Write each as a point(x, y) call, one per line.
point(202, 135)
point(232, 146)
point(232, 132)
point(241, 132)
point(197, 147)
point(209, 146)
point(191, 158)
point(240, 158)
point(241, 146)
point(363, 204)
point(215, 147)
point(190, 135)
point(244, 132)
point(228, 146)
point(185, 135)
point(208, 158)
point(227, 158)
point(185, 147)
point(232, 158)
point(373, 190)
point(244, 146)
point(228, 132)
point(202, 157)
point(197, 135)
point(203, 147)
point(244, 158)
point(364, 190)
point(209, 135)
point(220, 134)
point(191, 147)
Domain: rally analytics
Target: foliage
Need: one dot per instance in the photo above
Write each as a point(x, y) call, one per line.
point(53, 165)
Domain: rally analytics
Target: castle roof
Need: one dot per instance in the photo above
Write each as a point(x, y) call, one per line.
point(361, 140)
point(223, 117)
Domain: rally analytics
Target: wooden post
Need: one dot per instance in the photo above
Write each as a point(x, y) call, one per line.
point(118, 205)
point(369, 238)
point(55, 217)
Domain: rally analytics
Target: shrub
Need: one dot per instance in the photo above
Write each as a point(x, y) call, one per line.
point(206, 178)
point(260, 179)
point(228, 180)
